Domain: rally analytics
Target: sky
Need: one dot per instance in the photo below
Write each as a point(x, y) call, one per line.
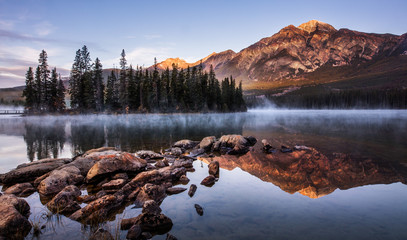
point(146, 29)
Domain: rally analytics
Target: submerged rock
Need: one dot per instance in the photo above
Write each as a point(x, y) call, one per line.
point(134, 232)
point(170, 237)
point(14, 213)
point(199, 209)
point(65, 201)
point(101, 234)
point(208, 181)
point(123, 162)
point(149, 223)
point(20, 189)
point(150, 192)
point(151, 207)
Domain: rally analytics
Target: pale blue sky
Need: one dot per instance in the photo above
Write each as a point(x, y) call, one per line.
point(148, 29)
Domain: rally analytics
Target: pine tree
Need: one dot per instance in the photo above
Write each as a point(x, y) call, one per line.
point(29, 91)
point(98, 85)
point(75, 81)
point(111, 92)
point(53, 92)
point(60, 100)
point(37, 89)
point(44, 80)
point(123, 93)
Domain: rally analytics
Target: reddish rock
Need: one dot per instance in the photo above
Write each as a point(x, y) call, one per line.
point(14, 213)
point(65, 201)
point(213, 168)
point(208, 181)
point(20, 189)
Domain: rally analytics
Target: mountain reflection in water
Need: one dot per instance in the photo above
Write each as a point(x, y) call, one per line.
point(311, 173)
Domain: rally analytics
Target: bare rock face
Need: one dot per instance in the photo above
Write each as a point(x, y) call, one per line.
point(207, 143)
point(21, 189)
point(58, 179)
point(65, 201)
point(14, 213)
point(214, 168)
point(29, 171)
point(123, 162)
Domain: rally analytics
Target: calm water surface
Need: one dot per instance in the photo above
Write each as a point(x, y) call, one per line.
point(249, 200)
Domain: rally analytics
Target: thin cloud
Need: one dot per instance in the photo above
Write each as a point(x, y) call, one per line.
point(44, 28)
point(152, 36)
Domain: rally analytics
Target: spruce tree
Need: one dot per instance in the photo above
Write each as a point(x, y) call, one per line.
point(111, 92)
point(44, 80)
point(60, 100)
point(75, 81)
point(29, 91)
point(123, 91)
point(98, 85)
point(53, 92)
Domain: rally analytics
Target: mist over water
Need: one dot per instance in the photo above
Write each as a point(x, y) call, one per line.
point(241, 198)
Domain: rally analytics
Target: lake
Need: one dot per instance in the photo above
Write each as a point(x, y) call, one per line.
point(353, 186)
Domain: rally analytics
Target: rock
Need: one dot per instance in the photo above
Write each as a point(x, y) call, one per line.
point(14, 213)
point(146, 235)
point(267, 148)
point(186, 163)
point(199, 209)
point(101, 194)
point(58, 179)
point(150, 192)
point(192, 190)
point(196, 152)
point(175, 190)
point(206, 143)
point(97, 150)
point(175, 151)
point(86, 198)
point(123, 162)
point(20, 189)
point(251, 140)
point(120, 176)
point(237, 143)
point(208, 181)
point(149, 223)
point(150, 167)
point(285, 149)
point(301, 147)
point(148, 154)
point(151, 207)
point(214, 168)
point(97, 211)
point(185, 144)
point(184, 179)
point(216, 146)
point(101, 234)
point(166, 162)
point(30, 171)
point(114, 184)
point(160, 164)
point(170, 237)
point(65, 201)
point(158, 176)
point(134, 232)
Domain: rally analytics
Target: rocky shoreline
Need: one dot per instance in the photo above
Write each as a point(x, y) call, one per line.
point(113, 180)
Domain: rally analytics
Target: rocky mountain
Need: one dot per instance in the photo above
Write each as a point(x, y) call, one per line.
point(295, 51)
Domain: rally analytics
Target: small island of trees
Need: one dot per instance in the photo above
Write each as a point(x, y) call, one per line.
point(129, 89)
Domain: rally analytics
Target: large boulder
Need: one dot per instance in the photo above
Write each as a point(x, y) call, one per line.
point(60, 178)
point(14, 213)
point(123, 162)
point(236, 144)
point(207, 143)
point(92, 152)
point(30, 171)
point(65, 201)
point(20, 189)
